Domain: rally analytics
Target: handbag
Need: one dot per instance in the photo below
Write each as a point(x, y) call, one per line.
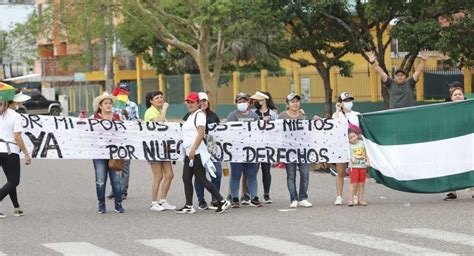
point(116, 164)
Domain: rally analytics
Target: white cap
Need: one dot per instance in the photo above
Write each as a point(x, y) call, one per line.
point(20, 97)
point(203, 96)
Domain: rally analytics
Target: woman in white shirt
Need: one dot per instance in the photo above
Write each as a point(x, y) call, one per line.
point(344, 112)
point(11, 143)
point(197, 156)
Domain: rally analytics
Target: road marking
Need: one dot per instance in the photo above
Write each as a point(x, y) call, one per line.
point(2, 254)
point(279, 246)
point(78, 248)
point(380, 244)
point(178, 247)
point(446, 236)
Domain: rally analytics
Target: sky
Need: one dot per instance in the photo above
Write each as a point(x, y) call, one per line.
point(10, 15)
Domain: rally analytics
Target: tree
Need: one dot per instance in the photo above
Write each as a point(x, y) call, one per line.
point(189, 36)
point(456, 42)
point(416, 26)
point(198, 28)
point(286, 28)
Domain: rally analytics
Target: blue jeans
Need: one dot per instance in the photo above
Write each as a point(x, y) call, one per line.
point(250, 170)
point(101, 167)
point(291, 181)
point(124, 178)
point(199, 188)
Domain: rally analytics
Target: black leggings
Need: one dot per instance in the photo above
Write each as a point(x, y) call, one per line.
point(200, 173)
point(11, 167)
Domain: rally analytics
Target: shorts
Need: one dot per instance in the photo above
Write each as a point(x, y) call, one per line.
point(357, 175)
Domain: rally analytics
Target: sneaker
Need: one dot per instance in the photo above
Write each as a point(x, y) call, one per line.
point(156, 207)
point(332, 171)
point(305, 203)
point(124, 197)
point(223, 206)
point(119, 208)
point(355, 200)
point(203, 205)
point(214, 205)
point(102, 208)
point(294, 204)
point(450, 196)
point(186, 209)
point(110, 196)
point(18, 213)
point(229, 197)
point(338, 200)
point(267, 199)
point(245, 200)
point(167, 206)
point(255, 202)
point(235, 203)
point(2, 216)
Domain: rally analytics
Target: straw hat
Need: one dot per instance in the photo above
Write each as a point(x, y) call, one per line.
point(97, 100)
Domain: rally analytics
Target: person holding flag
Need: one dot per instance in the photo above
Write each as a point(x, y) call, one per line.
point(128, 111)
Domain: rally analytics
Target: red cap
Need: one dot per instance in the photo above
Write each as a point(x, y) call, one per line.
point(193, 97)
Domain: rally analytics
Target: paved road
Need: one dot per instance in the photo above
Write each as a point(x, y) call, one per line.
point(59, 202)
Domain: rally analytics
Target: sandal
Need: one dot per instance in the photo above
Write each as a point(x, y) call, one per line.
point(363, 203)
point(350, 203)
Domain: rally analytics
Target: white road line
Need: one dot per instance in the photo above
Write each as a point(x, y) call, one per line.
point(78, 248)
point(2, 254)
point(380, 244)
point(178, 247)
point(451, 237)
point(279, 246)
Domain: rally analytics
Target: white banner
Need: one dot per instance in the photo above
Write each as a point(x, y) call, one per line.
point(306, 141)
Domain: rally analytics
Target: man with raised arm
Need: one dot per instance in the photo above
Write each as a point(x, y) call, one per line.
point(400, 88)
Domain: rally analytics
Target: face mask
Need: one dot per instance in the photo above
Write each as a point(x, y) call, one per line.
point(348, 105)
point(17, 107)
point(242, 107)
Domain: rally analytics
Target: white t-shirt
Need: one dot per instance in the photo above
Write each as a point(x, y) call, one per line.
point(352, 116)
point(10, 123)
point(190, 131)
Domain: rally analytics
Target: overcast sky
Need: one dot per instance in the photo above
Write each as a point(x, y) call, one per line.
point(11, 14)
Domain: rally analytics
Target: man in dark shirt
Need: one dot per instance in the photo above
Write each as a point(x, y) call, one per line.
point(401, 88)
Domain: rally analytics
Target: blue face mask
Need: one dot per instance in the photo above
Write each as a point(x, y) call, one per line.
point(348, 105)
point(242, 107)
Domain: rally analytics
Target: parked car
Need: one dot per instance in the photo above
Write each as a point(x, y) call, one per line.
point(39, 105)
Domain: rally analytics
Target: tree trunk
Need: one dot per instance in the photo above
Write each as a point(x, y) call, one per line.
point(327, 93)
point(209, 86)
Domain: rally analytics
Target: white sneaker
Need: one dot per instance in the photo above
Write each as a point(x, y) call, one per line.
point(294, 204)
point(305, 203)
point(338, 200)
point(355, 200)
point(167, 206)
point(156, 207)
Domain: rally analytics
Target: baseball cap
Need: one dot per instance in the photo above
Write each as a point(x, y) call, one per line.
point(192, 97)
point(292, 96)
point(401, 71)
point(345, 96)
point(455, 84)
point(241, 95)
point(124, 86)
point(203, 96)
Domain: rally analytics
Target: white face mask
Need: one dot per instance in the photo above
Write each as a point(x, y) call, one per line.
point(348, 105)
point(242, 106)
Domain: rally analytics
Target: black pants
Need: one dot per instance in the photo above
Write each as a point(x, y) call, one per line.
point(266, 177)
point(11, 167)
point(200, 173)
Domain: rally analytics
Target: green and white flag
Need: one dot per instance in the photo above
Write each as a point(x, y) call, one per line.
point(427, 149)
